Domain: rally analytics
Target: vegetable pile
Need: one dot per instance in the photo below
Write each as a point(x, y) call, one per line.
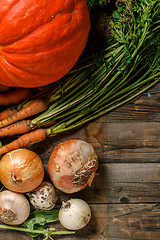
point(98, 83)
point(22, 174)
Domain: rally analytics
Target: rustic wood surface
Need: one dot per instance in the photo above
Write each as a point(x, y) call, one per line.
point(125, 194)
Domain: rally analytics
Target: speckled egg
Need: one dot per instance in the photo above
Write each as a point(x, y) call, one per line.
point(43, 197)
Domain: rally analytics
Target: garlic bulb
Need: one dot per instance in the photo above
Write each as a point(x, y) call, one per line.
point(14, 207)
point(74, 214)
point(43, 197)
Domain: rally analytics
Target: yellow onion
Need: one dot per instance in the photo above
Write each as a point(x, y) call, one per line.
point(72, 165)
point(21, 170)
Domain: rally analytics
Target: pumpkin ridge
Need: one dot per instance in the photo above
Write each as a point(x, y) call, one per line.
point(5, 61)
point(33, 30)
point(63, 10)
point(12, 5)
point(11, 76)
point(10, 58)
point(3, 66)
point(61, 40)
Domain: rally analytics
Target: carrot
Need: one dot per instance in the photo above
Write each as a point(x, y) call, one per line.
point(36, 106)
point(8, 112)
point(25, 140)
point(15, 96)
point(16, 128)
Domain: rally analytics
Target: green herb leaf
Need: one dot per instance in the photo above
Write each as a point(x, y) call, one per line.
point(41, 218)
point(37, 227)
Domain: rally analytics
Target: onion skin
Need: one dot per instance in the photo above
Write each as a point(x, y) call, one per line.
point(21, 170)
point(72, 165)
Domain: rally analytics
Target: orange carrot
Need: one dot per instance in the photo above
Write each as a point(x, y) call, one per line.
point(8, 112)
point(16, 128)
point(25, 140)
point(36, 106)
point(15, 96)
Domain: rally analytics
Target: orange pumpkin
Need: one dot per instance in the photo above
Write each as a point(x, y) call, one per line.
point(40, 40)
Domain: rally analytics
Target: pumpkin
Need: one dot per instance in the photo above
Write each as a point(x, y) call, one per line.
point(40, 40)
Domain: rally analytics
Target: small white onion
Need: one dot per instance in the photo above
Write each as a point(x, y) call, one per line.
point(74, 214)
point(14, 207)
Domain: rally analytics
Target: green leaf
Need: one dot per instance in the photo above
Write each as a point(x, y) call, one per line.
point(116, 15)
point(37, 227)
point(41, 218)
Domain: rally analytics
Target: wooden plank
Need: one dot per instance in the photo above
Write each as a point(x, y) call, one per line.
point(135, 221)
point(13, 235)
point(121, 183)
point(130, 141)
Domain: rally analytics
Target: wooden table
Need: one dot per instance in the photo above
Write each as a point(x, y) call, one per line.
point(125, 194)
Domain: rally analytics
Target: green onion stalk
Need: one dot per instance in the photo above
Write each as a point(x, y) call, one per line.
point(129, 67)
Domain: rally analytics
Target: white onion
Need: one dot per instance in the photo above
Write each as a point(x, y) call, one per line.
point(72, 165)
point(14, 207)
point(74, 214)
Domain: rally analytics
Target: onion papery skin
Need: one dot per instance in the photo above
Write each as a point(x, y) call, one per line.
point(21, 170)
point(40, 41)
point(72, 165)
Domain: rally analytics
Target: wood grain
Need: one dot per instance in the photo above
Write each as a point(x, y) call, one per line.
point(135, 221)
